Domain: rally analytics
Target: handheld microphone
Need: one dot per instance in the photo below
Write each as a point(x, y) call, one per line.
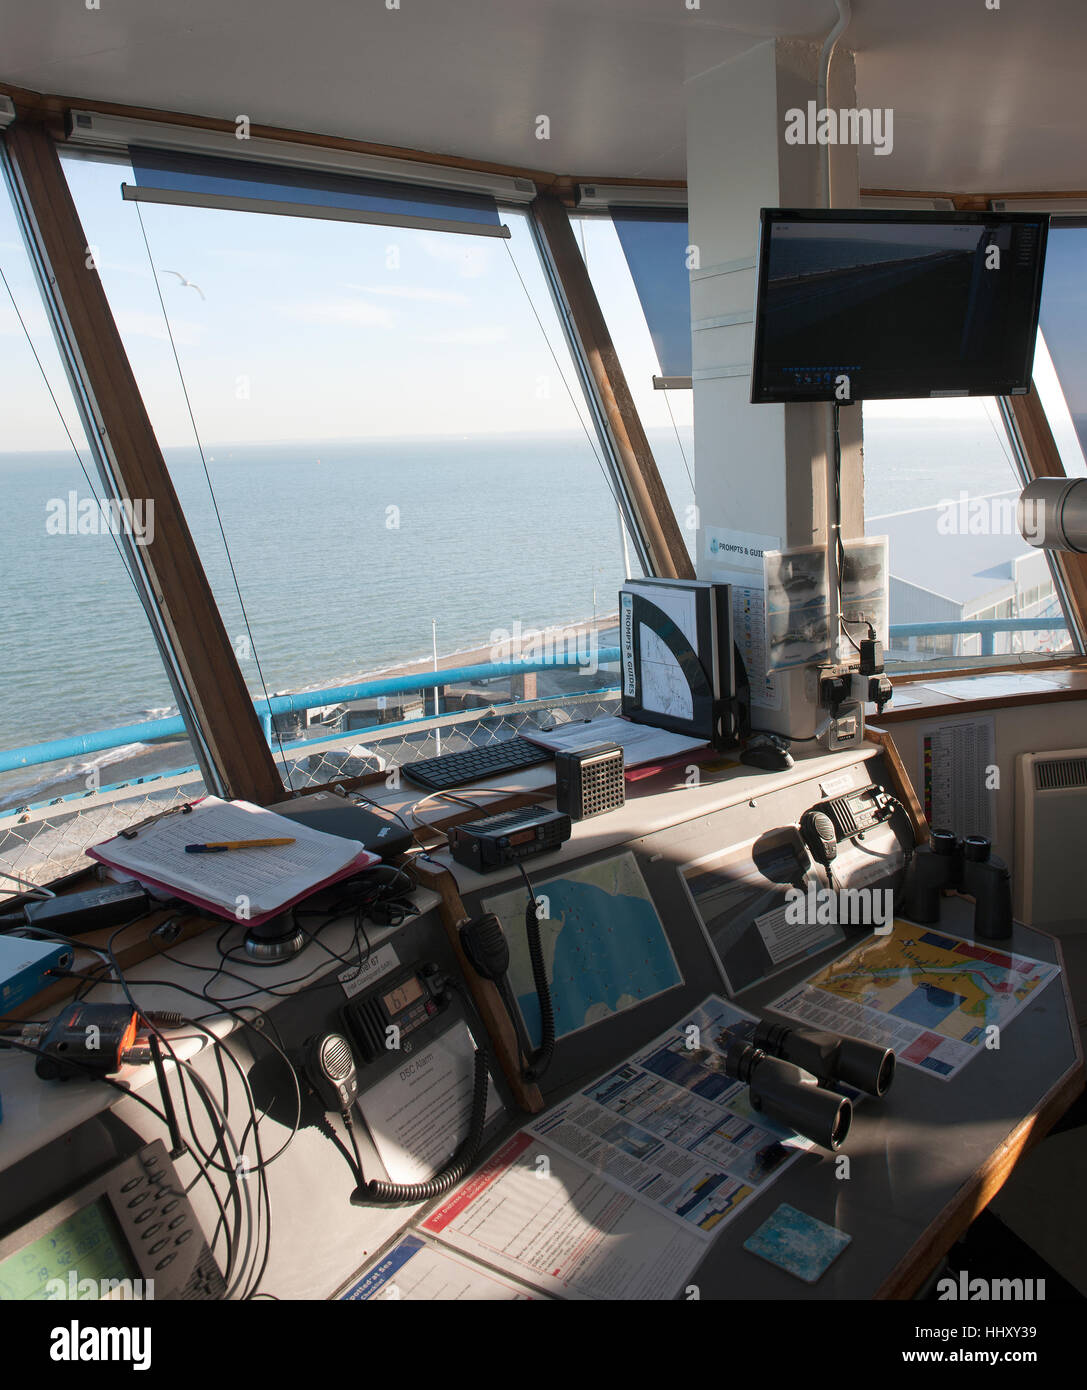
point(330, 1066)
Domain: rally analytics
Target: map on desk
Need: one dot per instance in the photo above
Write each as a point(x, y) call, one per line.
point(936, 999)
point(604, 947)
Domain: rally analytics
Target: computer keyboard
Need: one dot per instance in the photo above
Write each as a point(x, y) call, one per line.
point(473, 764)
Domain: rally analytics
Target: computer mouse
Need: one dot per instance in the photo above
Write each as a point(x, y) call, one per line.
point(768, 754)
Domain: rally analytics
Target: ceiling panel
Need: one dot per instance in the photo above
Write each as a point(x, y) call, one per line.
point(982, 99)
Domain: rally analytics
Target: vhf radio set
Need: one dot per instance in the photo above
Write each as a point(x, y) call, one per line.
point(495, 842)
point(828, 823)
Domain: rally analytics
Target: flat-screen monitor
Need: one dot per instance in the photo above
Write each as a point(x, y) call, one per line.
point(896, 305)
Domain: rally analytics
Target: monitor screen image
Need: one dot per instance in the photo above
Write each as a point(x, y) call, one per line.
point(896, 305)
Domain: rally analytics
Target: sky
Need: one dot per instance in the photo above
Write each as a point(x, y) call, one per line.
point(294, 328)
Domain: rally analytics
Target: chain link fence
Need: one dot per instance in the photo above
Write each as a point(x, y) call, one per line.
point(41, 844)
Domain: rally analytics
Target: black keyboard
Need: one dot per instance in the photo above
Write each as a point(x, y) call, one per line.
point(473, 764)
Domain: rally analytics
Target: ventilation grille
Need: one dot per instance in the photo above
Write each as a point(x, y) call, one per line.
point(1060, 774)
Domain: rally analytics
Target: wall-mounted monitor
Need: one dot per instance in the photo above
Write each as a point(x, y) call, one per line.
point(896, 305)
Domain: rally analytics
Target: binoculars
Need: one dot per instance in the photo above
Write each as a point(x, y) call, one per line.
point(829, 1057)
point(788, 1094)
point(970, 867)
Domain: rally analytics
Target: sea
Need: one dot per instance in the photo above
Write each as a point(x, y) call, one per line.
point(354, 556)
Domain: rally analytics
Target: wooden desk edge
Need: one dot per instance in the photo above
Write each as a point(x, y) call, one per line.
point(975, 1195)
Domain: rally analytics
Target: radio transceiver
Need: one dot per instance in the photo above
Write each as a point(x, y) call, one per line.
point(495, 841)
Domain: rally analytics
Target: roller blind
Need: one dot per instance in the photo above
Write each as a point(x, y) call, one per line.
point(654, 242)
point(167, 176)
point(1063, 316)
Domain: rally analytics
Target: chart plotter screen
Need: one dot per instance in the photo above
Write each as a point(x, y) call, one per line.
point(604, 946)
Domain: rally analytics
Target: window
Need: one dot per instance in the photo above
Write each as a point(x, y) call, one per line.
point(377, 437)
point(76, 654)
point(940, 483)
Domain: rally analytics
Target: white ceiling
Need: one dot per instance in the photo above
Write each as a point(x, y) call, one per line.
point(983, 100)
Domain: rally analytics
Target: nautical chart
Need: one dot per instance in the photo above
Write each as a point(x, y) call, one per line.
point(603, 944)
point(934, 998)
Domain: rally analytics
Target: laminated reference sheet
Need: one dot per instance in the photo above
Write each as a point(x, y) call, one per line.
point(618, 1192)
point(929, 996)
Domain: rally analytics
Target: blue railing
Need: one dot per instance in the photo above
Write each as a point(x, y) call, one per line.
point(986, 628)
point(78, 745)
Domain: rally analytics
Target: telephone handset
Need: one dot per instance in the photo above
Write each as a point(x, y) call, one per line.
point(821, 838)
point(488, 952)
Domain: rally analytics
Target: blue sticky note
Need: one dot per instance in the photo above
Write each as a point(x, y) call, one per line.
point(797, 1243)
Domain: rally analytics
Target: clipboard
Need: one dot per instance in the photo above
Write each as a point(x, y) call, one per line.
point(266, 881)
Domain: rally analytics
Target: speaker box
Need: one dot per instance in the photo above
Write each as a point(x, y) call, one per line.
point(590, 781)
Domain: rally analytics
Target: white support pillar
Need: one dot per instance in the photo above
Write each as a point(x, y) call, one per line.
point(760, 469)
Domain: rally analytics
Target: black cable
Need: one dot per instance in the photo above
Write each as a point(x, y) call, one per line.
point(96, 1074)
point(377, 1191)
point(789, 738)
point(220, 1043)
point(540, 1060)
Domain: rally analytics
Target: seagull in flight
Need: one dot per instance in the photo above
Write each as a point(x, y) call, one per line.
point(186, 284)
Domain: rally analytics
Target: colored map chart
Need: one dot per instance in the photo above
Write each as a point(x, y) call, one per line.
point(604, 947)
point(933, 998)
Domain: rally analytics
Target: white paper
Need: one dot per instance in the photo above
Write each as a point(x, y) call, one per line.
point(669, 1126)
point(956, 761)
point(992, 687)
point(784, 939)
point(359, 977)
point(265, 878)
point(419, 1114)
point(929, 996)
point(537, 1215)
point(641, 743)
point(865, 590)
point(796, 607)
point(739, 558)
point(663, 687)
point(416, 1270)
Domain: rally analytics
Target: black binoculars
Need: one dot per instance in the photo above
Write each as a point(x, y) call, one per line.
point(971, 867)
point(830, 1057)
point(790, 1095)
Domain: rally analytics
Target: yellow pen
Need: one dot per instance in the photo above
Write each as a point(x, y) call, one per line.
point(217, 846)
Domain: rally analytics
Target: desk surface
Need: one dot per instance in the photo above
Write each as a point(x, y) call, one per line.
point(922, 1162)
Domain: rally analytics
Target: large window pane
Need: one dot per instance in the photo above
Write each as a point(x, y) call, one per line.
point(76, 654)
point(939, 482)
point(385, 428)
point(1060, 362)
point(667, 416)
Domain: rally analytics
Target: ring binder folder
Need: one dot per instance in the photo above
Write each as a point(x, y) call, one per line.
point(681, 669)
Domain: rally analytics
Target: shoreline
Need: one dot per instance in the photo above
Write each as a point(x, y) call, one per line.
point(159, 759)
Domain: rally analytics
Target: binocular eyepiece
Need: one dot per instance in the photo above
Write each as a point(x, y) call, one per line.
point(789, 1095)
point(863, 1065)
